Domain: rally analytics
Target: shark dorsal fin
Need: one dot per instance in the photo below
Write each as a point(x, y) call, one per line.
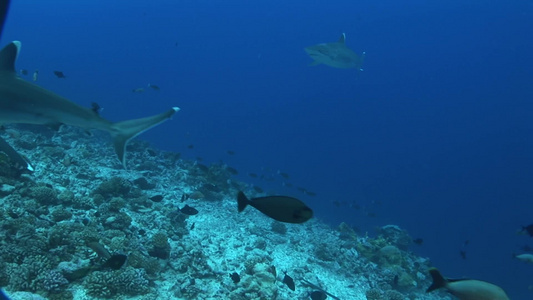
point(342, 38)
point(8, 55)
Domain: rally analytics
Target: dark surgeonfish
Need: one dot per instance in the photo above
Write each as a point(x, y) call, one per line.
point(320, 293)
point(235, 277)
point(280, 208)
point(112, 261)
point(188, 210)
point(335, 55)
point(59, 74)
point(466, 289)
point(289, 282)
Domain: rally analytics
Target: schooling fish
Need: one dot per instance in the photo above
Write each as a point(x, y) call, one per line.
point(157, 198)
point(235, 277)
point(318, 295)
point(466, 289)
point(280, 208)
point(289, 282)
point(191, 211)
point(59, 74)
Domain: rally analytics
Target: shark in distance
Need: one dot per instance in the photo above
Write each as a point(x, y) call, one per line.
point(25, 102)
point(336, 55)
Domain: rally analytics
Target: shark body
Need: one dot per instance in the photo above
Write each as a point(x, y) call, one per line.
point(25, 102)
point(336, 55)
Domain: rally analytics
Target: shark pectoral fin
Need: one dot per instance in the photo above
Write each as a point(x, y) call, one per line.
point(314, 63)
point(54, 126)
point(126, 130)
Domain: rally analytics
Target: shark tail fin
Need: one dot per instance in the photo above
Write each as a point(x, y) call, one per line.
point(242, 201)
point(438, 280)
point(126, 130)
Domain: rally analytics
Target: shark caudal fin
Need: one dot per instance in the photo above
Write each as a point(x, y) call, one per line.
point(242, 201)
point(438, 280)
point(126, 130)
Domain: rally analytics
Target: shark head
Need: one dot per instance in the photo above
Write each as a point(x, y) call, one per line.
point(335, 55)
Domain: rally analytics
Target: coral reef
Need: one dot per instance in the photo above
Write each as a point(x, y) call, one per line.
point(79, 196)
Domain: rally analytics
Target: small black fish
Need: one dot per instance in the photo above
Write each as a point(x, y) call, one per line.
point(115, 262)
point(157, 198)
point(289, 282)
point(318, 295)
point(309, 193)
point(154, 87)
point(191, 146)
point(24, 72)
point(96, 108)
point(235, 277)
point(192, 226)
point(188, 210)
point(463, 254)
point(59, 74)
point(258, 189)
point(253, 175)
point(230, 152)
point(418, 241)
point(280, 208)
point(138, 90)
point(528, 229)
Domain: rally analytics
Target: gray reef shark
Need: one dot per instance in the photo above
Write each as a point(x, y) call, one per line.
point(25, 102)
point(335, 55)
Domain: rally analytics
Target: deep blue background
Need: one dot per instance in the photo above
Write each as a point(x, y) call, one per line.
point(435, 135)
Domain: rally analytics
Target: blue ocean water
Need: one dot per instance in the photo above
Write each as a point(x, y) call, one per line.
point(435, 135)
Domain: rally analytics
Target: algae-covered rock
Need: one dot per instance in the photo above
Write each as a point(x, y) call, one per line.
point(44, 195)
point(390, 255)
point(160, 246)
point(108, 284)
point(114, 187)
